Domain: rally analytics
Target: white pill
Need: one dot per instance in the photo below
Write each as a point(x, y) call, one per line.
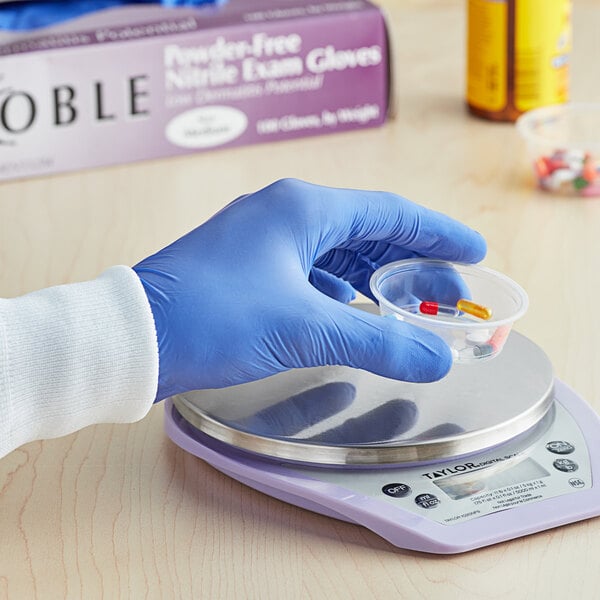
point(562, 175)
point(478, 336)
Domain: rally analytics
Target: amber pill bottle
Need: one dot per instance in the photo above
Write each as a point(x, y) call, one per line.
point(517, 56)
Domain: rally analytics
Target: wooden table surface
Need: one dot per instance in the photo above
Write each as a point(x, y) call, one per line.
point(120, 512)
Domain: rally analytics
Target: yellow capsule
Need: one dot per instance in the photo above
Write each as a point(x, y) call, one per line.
point(471, 308)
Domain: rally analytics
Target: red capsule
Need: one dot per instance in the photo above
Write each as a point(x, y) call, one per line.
point(541, 167)
point(429, 308)
point(497, 340)
point(589, 169)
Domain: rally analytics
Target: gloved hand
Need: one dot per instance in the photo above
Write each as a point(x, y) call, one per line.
point(261, 287)
point(25, 15)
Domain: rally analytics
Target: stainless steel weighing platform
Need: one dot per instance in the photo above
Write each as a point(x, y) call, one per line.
point(493, 451)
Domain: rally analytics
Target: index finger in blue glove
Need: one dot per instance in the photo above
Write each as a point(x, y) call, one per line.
point(447, 287)
point(347, 218)
point(331, 285)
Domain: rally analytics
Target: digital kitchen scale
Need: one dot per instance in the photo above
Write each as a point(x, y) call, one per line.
point(494, 451)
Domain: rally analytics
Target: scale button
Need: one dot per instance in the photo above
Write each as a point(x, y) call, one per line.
point(427, 500)
point(566, 465)
point(560, 447)
point(396, 490)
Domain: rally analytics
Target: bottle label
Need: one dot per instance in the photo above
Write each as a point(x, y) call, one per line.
point(539, 34)
point(542, 47)
point(487, 52)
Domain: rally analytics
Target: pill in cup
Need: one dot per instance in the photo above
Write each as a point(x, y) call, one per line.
point(563, 143)
point(471, 307)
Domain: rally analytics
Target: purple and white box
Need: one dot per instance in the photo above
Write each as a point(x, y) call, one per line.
point(142, 82)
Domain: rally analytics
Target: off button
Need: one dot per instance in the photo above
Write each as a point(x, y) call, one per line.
point(427, 500)
point(396, 490)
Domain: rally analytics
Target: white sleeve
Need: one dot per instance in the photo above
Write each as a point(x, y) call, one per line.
point(74, 355)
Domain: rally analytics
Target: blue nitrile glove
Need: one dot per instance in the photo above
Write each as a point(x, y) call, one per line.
point(25, 15)
point(232, 300)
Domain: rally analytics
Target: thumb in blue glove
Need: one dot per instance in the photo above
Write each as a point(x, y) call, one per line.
point(260, 287)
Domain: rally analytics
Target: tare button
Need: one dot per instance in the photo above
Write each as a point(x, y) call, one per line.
point(560, 447)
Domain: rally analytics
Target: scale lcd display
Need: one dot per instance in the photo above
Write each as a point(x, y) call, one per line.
point(491, 478)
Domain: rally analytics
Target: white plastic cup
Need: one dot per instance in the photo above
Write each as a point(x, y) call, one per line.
point(401, 287)
point(563, 144)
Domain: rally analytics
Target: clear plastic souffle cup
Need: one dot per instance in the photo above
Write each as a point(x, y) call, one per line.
point(471, 307)
point(563, 144)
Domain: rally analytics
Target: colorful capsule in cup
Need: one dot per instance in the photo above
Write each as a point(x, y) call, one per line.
point(428, 307)
point(568, 171)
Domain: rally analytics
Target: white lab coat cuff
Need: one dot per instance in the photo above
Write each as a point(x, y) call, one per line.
point(74, 355)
